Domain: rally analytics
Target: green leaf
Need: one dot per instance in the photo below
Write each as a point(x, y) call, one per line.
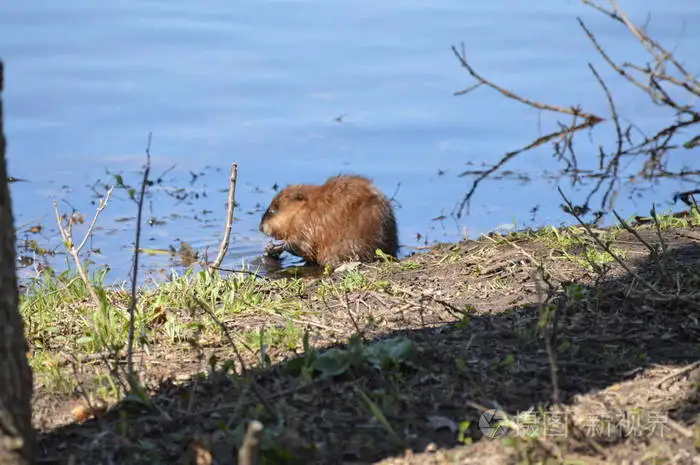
point(332, 363)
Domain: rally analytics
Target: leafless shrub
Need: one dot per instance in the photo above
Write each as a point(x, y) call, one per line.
point(663, 78)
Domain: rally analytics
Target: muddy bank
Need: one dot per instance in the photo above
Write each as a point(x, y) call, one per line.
point(403, 362)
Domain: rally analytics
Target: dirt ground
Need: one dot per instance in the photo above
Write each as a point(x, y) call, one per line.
point(592, 362)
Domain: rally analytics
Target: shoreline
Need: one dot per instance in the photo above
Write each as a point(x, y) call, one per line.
point(478, 317)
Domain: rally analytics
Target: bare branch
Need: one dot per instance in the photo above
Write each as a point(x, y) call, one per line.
point(67, 236)
point(605, 247)
point(613, 109)
point(542, 106)
point(664, 77)
point(609, 60)
point(229, 217)
point(134, 276)
point(648, 40)
point(652, 79)
point(510, 155)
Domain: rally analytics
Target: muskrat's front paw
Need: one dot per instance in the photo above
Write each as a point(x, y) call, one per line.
point(274, 248)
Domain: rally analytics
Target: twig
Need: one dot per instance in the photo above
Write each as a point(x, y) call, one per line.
point(613, 109)
point(652, 250)
point(664, 77)
point(468, 89)
point(346, 302)
point(652, 79)
point(678, 428)
point(229, 216)
point(609, 60)
point(510, 155)
point(248, 272)
point(666, 54)
point(657, 226)
point(134, 276)
point(637, 33)
point(678, 374)
point(253, 384)
point(549, 336)
point(67, 236)
point(80, 388)
point(659, 296)
point(542, 106)
point(664, 99)
point(27, 223)
point(653, 47)
point(451, 308)
point(592, 443)
point(527, 255)
point(568, 146)
point(303, 322)
point(248, 453)
point(607, 248)
point(114, 371)
point(393, 197)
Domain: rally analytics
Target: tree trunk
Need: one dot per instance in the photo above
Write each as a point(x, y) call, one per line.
point(16, 433)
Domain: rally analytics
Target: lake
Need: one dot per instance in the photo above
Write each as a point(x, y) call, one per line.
point(296, 91)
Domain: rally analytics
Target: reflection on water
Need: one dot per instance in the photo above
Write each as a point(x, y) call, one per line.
point(297, 91)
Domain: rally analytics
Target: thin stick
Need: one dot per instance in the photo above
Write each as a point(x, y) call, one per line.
point(606, 248)
point(659, 100)
point(609, 60)
point(664, 77)
point(134, 275)
point(613, 109)
point(462, 57)
point(67, 235)
point(248, 272)
point(229, 217)
point(652, 250)
point(652, 79)
point(633, 29)
point(248, 453)
point(510, 155)
point(550, 337)
point(658, 229)
point(666, 54)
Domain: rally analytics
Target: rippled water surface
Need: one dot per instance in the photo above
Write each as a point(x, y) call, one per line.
point(262, 83)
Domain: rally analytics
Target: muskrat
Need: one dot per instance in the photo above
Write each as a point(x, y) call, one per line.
point(345, 219)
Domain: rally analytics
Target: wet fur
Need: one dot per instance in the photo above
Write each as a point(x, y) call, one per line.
point(345, 219)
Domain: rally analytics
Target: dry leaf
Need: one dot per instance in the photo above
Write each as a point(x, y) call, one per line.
point(81, 413)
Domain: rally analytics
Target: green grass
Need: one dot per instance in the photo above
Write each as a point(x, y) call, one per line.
point(54, 378)
point(60, 316)
point(575, 244)
point(351, 281)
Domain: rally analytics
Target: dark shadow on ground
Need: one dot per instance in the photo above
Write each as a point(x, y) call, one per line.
point(472, 313)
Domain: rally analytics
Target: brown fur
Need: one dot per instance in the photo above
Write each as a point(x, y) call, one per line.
point(345, 219)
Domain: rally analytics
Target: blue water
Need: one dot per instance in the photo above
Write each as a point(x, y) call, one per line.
point(261, 83)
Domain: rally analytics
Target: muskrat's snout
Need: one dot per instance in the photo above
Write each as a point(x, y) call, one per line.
point(261, 226)
point(264, 225)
